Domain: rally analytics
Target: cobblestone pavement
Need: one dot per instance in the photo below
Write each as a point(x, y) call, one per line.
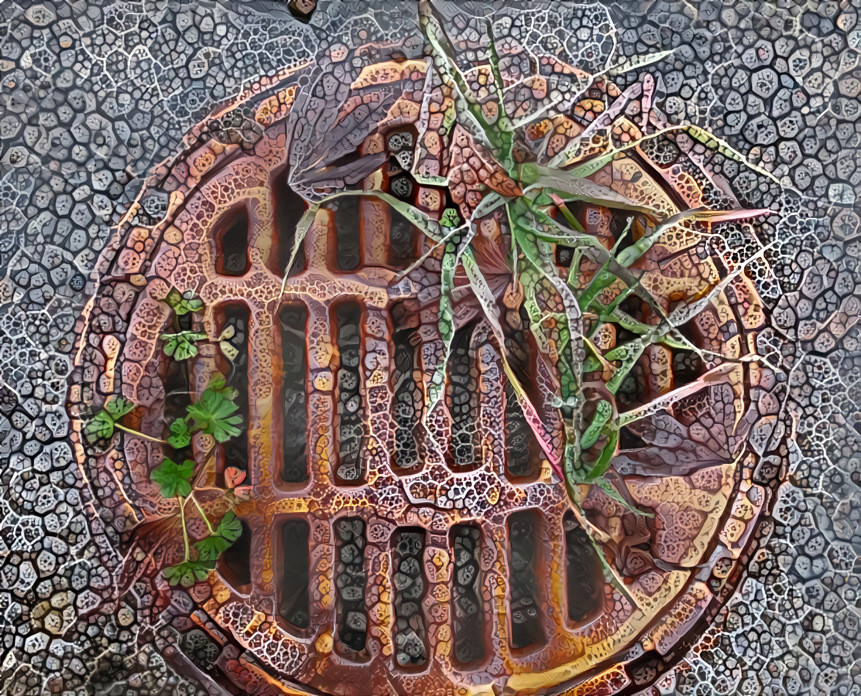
point(95, 94)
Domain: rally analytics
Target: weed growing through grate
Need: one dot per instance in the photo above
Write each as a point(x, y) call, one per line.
point(535, 195)
point(213, 413)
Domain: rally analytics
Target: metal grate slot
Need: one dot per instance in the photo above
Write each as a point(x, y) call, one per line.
point(521, 448)
point(294, 603)
point(235, 563)
point(235, 320)
point(289, 208)
point(525, 599)
point(410, 588)
point(462, 399)
point(351, 581)
point(469, 625)
point(348, 240)
point(294, 414)
point(231, 258)
point(350, 409)
point(402, 240)
point(407, 401)
point(584, 579)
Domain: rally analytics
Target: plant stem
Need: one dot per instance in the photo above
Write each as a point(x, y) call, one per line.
point(202, 513)
point(184, 530)
point(130, 431)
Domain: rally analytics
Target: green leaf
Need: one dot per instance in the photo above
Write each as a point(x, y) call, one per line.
point(119, 407)
point(101, 427)
point(188, 572)
point(450, 218)
point(591, 364)
point(215, 412)
point(600, 467)
point(211, 547)
point(174, 479)
point(230, 527)
point(180, 435)
point(183, 303)
point(593, 432)
point(218, 385)
point(180, 346)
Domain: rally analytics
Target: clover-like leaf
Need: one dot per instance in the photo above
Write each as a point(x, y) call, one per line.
point(218, 385)
point(174, 479)
point(173, 298)
point(119, 407)
point(450, 218)
point(180, 435)
point(183, 303)
point(211, 547)
point(180, 346)
point(100, 427)
point(188, 572)
point(215, 412)
point(230, 527)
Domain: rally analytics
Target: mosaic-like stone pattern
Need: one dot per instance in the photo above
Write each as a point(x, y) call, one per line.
point(97, 95)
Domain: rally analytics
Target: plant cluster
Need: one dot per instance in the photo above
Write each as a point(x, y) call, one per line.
point(590, 299)
point(214, 413)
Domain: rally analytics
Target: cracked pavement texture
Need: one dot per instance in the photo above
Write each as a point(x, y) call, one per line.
point(95, 94)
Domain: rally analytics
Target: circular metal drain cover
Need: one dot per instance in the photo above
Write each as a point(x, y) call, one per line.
point(379, 556)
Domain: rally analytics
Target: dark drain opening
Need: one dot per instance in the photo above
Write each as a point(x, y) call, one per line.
point(231, 257)
point(402, 241)
point(235, 563)
point(294, 603)
point(462, 400)
point(350, 582)
point(469, 624)
point(349, 393)
point(410, 588)
point(583, 574)
point(294, 376)
point(407, 395)
point(289, 209)
point(235, 318)
point(348, 238)
point(525, 597)
point(523, 452)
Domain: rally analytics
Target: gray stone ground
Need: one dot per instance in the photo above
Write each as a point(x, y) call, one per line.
point(92, 94)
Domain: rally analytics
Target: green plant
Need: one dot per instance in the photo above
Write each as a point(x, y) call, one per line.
point(564, 338)
point(215, 414)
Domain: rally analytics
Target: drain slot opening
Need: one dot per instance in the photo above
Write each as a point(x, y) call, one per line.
point(294, 603)
point(351, 582)
point(235, 563)
point(462, 400)
point(469, 625)
point(235, 318)
point(583, 573)
point(410, 589)
point(521, 448)
point(289, 208)
point(294, 377)
point(407, 401)
point(402, 241)
point(231, 257)
point(350, 410)
point(348, 237)
point(525, 599)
